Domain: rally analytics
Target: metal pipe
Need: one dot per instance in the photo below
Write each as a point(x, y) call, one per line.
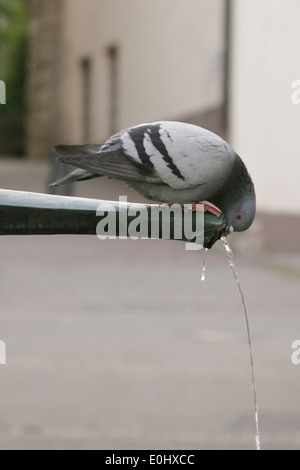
point(25, 213)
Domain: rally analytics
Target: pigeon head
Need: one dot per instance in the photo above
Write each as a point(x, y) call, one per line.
point(237, 199)
point(240, 214)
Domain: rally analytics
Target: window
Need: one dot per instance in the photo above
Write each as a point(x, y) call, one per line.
point(113, 57)
point(86, 70)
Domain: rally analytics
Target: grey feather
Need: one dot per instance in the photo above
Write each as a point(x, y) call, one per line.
point(112, 164)
point(77, 175)
point(86, 149)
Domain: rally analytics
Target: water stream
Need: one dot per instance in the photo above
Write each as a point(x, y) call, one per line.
point(203, 275)
point(229, 256)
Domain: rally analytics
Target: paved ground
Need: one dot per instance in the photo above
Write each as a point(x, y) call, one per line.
point(118, 344)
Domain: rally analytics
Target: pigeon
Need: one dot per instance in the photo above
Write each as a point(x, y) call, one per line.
point(170, 162)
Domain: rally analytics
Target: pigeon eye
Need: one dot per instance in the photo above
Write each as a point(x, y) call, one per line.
point(239, 216)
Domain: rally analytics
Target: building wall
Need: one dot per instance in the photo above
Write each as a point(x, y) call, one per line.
point(264, 126)
point(44, 76)
point(169, 65)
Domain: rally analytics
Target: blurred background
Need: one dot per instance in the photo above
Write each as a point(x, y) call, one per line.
point(118, 344)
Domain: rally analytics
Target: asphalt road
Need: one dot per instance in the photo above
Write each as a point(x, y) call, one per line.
point(119, 345)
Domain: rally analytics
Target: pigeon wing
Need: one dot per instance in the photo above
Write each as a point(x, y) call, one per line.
point(182, 155)
point(113, 164)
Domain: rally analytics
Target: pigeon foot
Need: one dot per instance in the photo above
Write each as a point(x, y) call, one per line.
point(207, 208)
point(199, 206)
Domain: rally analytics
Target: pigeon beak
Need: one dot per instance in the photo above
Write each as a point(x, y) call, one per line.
point(229, 230)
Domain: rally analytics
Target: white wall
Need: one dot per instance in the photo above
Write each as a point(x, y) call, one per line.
point(265, 125)
point(170, 59)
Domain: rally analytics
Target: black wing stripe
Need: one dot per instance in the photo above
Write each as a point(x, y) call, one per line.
point(137, 136)
point(160, 146)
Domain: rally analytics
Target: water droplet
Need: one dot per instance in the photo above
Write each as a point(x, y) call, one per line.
point(229, 256)
point(203, 275)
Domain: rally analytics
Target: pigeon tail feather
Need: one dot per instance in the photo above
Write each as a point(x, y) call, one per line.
point(77, 175)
